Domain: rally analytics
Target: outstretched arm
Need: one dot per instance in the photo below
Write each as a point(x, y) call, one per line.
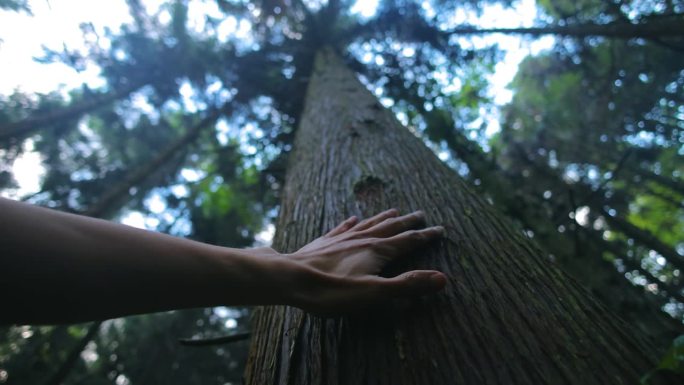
point(59, 267)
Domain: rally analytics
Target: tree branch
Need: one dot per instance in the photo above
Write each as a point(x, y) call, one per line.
point(622, 30)
point(196, 342)
point(72, 358)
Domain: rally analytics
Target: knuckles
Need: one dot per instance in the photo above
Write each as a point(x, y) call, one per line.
point(416, 235)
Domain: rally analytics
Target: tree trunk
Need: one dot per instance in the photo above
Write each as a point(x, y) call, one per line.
point(507, 315)
point(633, 304)
point(622, 30)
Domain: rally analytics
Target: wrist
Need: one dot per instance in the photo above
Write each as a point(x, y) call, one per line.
point(306, 283)
point(257, 276)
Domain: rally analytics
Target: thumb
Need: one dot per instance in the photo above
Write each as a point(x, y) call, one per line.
point(416, 283)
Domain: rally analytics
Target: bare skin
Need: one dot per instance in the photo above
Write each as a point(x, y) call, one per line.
point(57, 267)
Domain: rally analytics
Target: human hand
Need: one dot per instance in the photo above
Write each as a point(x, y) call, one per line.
point(338, 272)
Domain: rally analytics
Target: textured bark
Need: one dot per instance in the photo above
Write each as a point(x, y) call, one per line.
point(586, 264)
point(507, 315)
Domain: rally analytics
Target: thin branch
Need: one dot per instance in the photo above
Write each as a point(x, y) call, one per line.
point(196, 342)
point(622, 30)
point(667, 45)
point(70, 362)
point(17, 130)
point(613, 173)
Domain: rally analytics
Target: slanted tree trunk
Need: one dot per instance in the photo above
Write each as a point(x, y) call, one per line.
point(597, 274)
point(507, 315)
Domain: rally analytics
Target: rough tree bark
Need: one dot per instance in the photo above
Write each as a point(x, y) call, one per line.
point(507, 315)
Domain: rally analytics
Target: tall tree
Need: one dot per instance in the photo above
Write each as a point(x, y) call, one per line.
point(508, 314)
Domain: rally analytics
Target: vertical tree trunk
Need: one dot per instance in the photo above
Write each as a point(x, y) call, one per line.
point(507, 315)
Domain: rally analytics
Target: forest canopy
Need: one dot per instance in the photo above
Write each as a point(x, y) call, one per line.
point(182, 119)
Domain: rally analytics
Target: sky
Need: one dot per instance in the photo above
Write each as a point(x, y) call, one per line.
point(55, 24)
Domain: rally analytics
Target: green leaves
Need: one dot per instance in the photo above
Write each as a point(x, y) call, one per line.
point(670, 370)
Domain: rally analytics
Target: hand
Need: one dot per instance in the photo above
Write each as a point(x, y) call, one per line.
point(338, 272)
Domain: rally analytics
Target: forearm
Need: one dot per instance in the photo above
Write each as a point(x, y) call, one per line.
point(58, 267)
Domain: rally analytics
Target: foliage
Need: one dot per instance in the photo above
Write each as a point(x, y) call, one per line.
point(671, 367)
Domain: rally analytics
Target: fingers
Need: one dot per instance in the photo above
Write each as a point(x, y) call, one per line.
point(372, 221)
point(395, 225)
point(351, 295)
point(342, 227)
point(410, 240)
point(413, 283)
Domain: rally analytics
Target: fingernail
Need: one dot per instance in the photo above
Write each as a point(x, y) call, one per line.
point(441, 230)
point(438, 280)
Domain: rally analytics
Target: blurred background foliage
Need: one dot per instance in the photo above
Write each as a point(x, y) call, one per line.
point(189, 131)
